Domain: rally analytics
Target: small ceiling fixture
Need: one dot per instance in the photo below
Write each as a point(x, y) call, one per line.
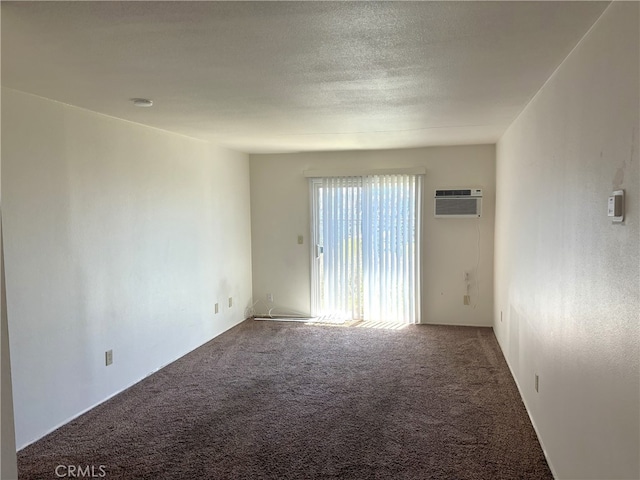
point(142, 102)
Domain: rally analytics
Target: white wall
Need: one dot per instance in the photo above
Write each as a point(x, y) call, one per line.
point(567, 279)
point(117, 236)
point(280, 212)
point(8, 467)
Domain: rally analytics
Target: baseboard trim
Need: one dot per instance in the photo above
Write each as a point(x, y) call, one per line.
point(455, 324)
point(526, 407)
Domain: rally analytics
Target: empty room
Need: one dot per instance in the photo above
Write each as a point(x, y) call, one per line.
point(320, 240)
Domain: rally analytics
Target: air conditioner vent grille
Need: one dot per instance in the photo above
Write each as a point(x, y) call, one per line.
point(452, 193)
point(469, 207)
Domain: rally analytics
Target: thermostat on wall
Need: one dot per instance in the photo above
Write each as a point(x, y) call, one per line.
point(616, 206)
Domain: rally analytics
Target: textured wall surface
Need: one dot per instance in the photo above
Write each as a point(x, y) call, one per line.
point(117, 236)
point(280, 212)
point(567, 280)
point(8, 469)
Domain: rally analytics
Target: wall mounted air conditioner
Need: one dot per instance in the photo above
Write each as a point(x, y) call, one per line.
point(458, 203)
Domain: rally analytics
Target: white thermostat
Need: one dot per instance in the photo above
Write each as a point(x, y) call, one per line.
point(615, 206)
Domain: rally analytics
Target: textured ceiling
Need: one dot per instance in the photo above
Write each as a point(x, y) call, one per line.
point(296, 76)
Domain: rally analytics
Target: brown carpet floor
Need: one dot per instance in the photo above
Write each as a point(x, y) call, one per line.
point(275, 400)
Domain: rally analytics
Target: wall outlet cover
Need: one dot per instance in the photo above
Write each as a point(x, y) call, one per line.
point(616, 206)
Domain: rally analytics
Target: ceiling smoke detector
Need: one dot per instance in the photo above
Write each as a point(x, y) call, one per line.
point(142, 102)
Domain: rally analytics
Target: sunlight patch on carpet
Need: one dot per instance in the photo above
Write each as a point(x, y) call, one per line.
point(382, 325)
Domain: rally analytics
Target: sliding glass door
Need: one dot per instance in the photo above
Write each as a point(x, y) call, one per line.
point(366, 247)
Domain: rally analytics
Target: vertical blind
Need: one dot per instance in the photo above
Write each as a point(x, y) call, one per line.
point(367, 231)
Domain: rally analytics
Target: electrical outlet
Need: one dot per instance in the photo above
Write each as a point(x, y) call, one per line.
point(300, 239)
point(466, 300)
point(270, 297)
point(216, 308)
point(108, 357)
point(537, 382)
point(230, 302)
